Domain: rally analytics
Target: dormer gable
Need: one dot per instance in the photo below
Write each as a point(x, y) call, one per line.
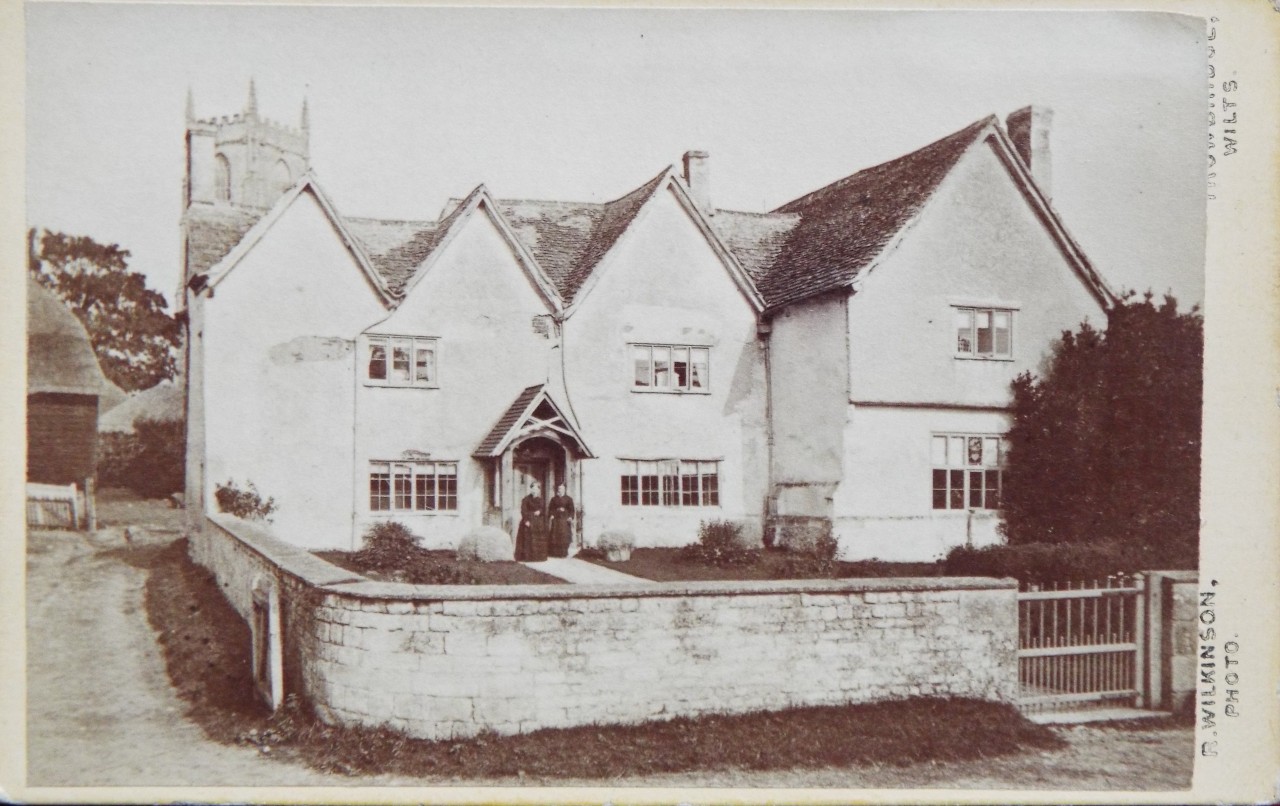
point(477, 208)
point(207, 281)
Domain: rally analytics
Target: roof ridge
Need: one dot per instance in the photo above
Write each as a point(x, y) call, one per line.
point(760, 214)
point(968, 133)
point(376, 220)
point(845, 225)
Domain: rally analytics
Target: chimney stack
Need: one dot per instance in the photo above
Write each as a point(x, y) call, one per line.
point(1029, 130)
point(697, 178)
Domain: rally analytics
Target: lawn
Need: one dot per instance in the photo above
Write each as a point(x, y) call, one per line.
point(667, 565)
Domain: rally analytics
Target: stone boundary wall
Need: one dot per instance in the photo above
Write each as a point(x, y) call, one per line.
point(450, 661)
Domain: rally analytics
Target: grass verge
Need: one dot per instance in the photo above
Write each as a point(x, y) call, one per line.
point(206, 652)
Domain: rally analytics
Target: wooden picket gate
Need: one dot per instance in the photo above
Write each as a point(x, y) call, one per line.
point(1081, 644)
point(53, 506)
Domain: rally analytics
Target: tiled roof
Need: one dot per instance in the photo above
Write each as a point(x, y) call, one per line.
point(509, 419)
point(569, 239)
point(212, 232)
point(755, 239)
point(395, 248)
point(846, 224)
point(816, 243)
point(557, 234)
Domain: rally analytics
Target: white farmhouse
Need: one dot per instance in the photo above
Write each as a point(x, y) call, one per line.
point(845, 358)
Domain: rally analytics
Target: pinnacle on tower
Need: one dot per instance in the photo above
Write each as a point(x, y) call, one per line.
point(252, 107)
point(191, 106)
point(306, 116)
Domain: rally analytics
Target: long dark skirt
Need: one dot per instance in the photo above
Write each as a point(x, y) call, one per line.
point(561, 525)
point(531, 541)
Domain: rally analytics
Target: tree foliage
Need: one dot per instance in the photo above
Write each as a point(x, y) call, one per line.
point(1106, 445)
point(134, 338)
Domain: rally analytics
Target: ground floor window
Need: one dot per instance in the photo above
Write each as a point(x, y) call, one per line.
point(420, 486)
point(967, 471)
point(670, 483)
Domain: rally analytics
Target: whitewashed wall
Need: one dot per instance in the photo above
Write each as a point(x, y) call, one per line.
point(480, 303)
point(664, 284)
point(278, 339)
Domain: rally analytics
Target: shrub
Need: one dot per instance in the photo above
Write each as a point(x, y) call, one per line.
point(1105, 443)
point(811, 548)
point(390, 548)
point(151, 461)
point(1043, 563)
point(719, 543)
point(805, 535)
point(616, 540)
point(159, 468)
point(116, 453)
point(486, 544)
point(246, 503)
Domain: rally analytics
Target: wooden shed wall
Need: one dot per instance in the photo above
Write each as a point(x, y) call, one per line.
point(62, 438)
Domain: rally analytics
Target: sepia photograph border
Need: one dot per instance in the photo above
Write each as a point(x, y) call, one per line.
point(1237, 759)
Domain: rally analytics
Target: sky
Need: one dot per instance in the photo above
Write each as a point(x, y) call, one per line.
point(412, 106)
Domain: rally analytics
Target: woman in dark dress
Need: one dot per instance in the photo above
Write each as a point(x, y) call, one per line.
point(561, 522)
point(531, 537)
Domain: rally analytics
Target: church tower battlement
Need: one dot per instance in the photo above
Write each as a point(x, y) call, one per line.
point(243, 159)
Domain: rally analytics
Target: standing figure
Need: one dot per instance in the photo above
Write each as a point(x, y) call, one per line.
point(561, 522)
point(531, 537)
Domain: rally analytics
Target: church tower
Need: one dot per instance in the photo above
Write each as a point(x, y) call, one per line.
point(245, 159)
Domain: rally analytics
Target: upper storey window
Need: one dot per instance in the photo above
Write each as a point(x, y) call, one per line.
point(671, 368)
point(401, 361)
point(984, 333)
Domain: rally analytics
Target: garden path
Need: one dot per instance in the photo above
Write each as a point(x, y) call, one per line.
point(581, 572)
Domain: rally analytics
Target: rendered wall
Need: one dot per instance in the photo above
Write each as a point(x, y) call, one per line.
point(481, 304)
point(663, 284)
point(809, 402)
point(977, 242)
point(451, 661)
point(884, 507)
point(276, 349)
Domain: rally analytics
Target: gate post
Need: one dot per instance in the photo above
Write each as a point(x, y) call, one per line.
point(1140, 633)
point(1157, 639)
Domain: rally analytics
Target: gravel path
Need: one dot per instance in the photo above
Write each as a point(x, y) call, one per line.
point(581, 572)
point(100, 710)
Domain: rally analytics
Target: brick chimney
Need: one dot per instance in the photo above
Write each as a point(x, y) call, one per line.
point(697, 178)
point(1029, 130)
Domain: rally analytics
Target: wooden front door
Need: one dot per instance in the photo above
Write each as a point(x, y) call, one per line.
point(536, 459)
point(529, 471)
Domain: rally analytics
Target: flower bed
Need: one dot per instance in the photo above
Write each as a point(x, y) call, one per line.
point(670, 565)
point(438, 567)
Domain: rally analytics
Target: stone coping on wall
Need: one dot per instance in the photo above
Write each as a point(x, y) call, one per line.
point(313, 570)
